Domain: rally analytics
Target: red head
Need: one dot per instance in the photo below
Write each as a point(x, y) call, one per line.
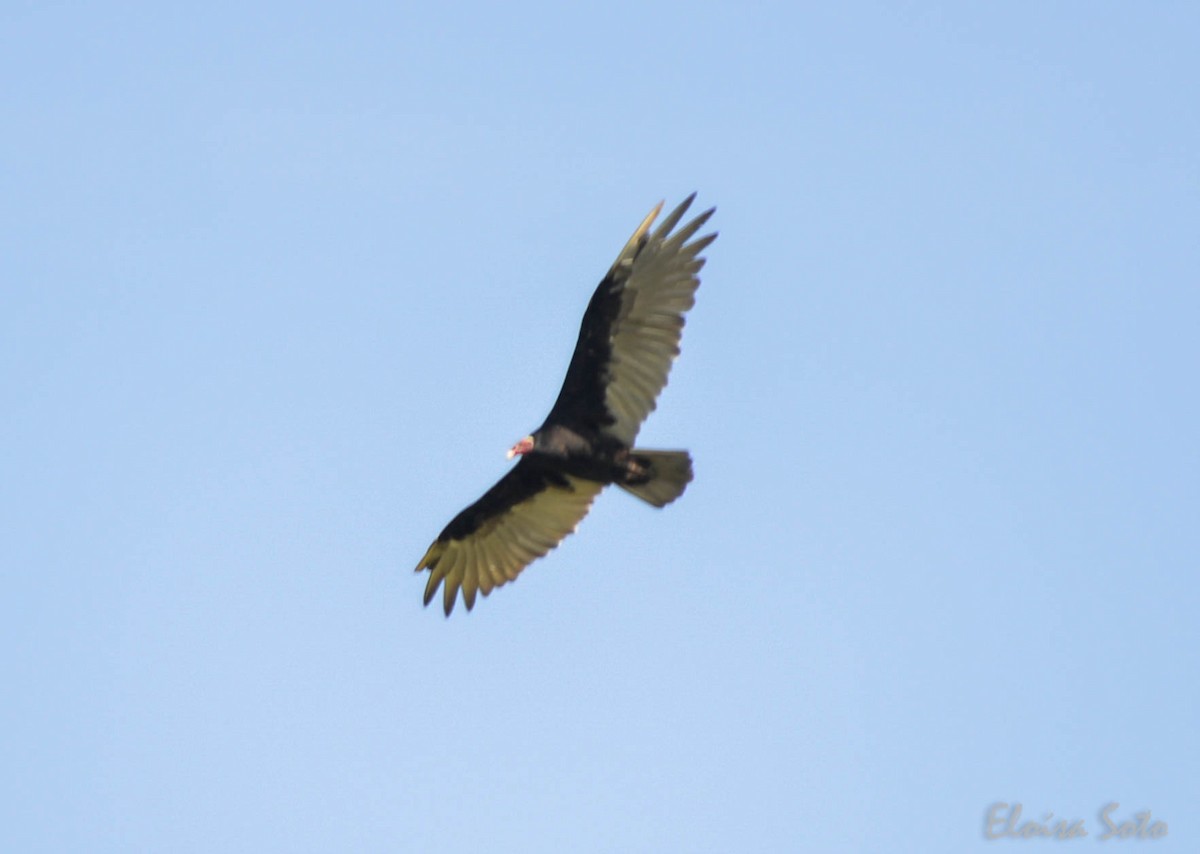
point(522, 447)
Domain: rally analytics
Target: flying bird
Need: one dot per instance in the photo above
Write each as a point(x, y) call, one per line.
point(627, 341)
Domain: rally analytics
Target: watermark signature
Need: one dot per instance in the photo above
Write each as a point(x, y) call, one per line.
point(1003, 821)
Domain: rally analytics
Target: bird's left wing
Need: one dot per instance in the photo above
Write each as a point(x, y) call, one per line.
point(526, 514)
point(630, 332)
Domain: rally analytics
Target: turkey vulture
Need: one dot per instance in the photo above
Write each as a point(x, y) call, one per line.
point(627, 341)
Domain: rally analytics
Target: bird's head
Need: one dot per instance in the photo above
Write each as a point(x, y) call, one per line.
point(522, 447)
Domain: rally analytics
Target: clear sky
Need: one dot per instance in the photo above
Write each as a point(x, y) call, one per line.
point(280, 283)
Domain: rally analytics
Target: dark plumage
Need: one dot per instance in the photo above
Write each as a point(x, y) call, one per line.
point(627, 341)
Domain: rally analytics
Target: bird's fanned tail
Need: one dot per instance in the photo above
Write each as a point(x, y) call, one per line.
point(670, 473)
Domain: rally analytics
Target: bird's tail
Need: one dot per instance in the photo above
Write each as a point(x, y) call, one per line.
point(667, 474)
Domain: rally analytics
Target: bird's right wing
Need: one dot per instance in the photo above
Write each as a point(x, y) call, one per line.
point(526, 514)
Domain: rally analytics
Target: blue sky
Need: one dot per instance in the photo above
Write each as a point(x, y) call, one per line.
point(282, 283)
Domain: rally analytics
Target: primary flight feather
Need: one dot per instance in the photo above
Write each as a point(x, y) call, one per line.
point(627, 341)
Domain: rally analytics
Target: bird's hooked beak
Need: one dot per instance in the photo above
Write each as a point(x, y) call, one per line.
point(522, 447)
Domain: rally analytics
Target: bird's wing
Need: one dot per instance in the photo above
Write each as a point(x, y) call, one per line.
point(525, 515)
point(631, 329)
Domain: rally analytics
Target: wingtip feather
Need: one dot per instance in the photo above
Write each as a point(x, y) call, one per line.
point(449, 595)
point(665, 227)
point(431, 587)
point(647, 222)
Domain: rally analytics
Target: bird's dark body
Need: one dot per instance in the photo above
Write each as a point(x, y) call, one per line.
point(558, 451)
